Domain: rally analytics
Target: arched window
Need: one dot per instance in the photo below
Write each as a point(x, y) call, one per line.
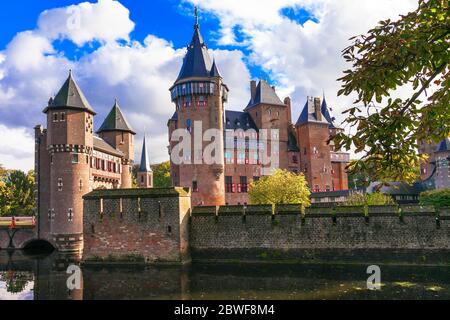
point(188, 125)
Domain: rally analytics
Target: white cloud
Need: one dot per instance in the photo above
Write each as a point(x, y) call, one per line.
point(138, 74)
point(303, 60)
point(105, 21)
point(17, 148)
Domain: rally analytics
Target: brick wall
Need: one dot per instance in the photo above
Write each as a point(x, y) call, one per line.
point(138, 225)
point(256, 234)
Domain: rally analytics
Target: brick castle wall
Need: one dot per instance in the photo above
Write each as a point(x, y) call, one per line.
point(256, 234)
point(139, 225)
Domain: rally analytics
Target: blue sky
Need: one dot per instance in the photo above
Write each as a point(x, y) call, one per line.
point(132, 50)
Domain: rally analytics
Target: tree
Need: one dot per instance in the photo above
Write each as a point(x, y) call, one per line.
point(413, 51)
point(364, 199)
point(161, 175)
point(17, 193)
point(282, 187)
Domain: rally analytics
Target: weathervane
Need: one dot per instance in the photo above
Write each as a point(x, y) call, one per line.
point(196, 16)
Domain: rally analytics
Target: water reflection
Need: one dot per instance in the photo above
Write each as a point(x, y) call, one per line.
point(37, 277)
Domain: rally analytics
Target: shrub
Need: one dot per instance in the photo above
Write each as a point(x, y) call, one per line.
point(364, 199)
point(436, 198)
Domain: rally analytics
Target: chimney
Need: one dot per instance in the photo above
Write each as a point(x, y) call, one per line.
point(317, 109)
point(253, 89)
point(287, 102)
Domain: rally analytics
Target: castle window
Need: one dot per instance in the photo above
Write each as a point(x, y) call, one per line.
point(201, 101)
point(315, 150)
point(55, 117)
point(194, 186)
point(316, 188)
point(81, 185)
point(294, 159)
point(187, 101)
point(70, 215)
point(51, 159)
point(228, 184)
point(188, 125)
point(305, 151)
point(75, 158)
point(142, 179)
point(122, 138)
point(255, 179)
point(328, 188)
point(244, 185)
point(60, 184)
point(63, 116)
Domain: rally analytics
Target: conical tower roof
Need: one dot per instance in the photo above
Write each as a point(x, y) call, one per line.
point(70, 96)
point(145, 161)
point(197, 62)
point(115, 121)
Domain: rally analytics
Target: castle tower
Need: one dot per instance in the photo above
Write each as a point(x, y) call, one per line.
point(70, 144)
point(199, 95)
point(118, 133)
point(145, 172)
point(313, 133)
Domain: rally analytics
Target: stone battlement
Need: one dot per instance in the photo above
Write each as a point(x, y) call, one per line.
point(159, 226)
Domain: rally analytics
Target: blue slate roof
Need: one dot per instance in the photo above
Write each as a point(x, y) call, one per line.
point(115, 121)
point(70, 96)
point(239, 120)
point(144, 166)
point(444, 145)
point(265, 94)
point(326, 113)
point(197, 62)
point(309, 116)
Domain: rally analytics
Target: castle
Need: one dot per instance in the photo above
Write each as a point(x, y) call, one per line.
point(70, 161)
point(200, 93)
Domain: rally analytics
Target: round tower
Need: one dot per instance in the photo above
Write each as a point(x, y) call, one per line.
point(199, 95)
point(118, 133)
point(70, 144)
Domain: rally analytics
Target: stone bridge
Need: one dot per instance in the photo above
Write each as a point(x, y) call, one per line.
point(17, 233)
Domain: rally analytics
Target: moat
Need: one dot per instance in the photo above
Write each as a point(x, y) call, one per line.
point(44, 277)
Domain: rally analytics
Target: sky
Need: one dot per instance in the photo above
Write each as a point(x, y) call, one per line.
point(132, 50)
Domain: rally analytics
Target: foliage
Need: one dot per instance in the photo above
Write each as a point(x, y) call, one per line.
point(161, 175)
point(358, 180)
point(15, 281)
point(17, 193)
point(413, 51)
point(436, 198)
point(365, 199)
point(282, 187)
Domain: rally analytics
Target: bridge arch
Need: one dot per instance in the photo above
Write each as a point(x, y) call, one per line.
point(38, 246)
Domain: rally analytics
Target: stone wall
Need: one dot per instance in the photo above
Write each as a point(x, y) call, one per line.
point(260, 233)
point(136, 225)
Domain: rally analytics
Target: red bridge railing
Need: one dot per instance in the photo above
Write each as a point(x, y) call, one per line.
point(17, 222)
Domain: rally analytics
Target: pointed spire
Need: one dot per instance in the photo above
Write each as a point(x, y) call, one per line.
point(214, 70)
point(115, 121)
point(70, 96)
point(145, 163)
point(197, 62)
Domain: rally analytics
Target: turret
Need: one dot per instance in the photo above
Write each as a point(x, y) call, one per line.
point(199, 95)
point(145, 172)
point(118, 133)
point(70, 144)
